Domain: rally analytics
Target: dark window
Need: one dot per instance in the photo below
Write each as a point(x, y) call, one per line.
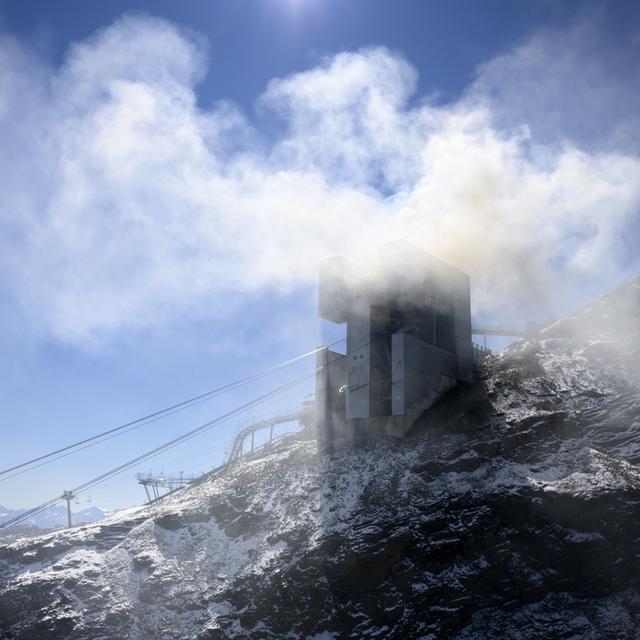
point(445, 332)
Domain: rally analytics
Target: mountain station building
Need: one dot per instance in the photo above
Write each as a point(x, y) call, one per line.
point(408, 341)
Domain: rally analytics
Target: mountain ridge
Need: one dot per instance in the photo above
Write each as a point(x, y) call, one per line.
point(54, 516)
point(510, 511)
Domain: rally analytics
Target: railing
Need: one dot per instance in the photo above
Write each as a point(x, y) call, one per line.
point(237, 451)
point(491, 330)
point(480, 352)
point(153, 483)
point(529, 331)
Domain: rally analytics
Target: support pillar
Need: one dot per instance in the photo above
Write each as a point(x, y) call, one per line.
point(68, 496)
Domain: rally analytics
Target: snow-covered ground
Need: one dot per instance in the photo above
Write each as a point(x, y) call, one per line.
point(510, 512)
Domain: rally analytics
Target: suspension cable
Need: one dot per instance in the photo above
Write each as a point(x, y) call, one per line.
point(152, 417)
point(157, 450)
point(176, 441)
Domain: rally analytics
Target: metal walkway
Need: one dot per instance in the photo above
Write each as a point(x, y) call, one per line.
point(238, 449)
point(528, 331)
point(238, 452)
point(153, 483)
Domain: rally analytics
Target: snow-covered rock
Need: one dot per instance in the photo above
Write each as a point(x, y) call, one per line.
point(510, 512)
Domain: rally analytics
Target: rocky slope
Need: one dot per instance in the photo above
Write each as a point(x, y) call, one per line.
point(511, 512)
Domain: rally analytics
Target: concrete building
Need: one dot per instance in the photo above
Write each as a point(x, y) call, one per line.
point(408, 341)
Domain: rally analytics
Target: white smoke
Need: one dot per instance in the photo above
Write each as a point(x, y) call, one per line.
point(124, 203)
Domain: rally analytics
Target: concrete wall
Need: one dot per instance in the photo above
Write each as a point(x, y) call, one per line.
point(331, 379)
point(417, 370)
point(358, 360)
point(462, 314)
point(333, 290)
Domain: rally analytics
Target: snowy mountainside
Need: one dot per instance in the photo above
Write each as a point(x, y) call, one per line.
point(511, 511)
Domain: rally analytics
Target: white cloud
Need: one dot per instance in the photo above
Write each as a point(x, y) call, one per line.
point(577, 84)
point(128, 204)
point(348, 118)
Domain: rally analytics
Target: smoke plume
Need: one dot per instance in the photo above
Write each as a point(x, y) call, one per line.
point(125, 202)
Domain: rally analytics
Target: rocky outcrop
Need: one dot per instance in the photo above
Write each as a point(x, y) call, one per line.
point(511, 511)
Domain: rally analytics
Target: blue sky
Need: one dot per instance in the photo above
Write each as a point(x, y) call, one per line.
point(173, 172)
